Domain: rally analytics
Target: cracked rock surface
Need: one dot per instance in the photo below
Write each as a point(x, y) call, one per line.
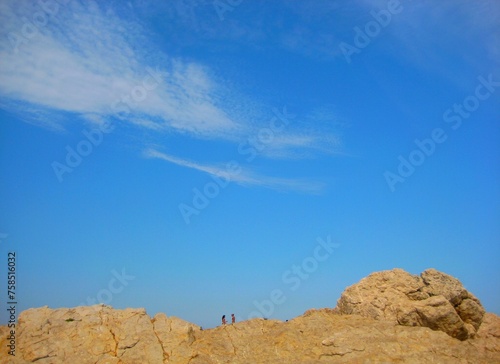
point(374, 322)
point(433, 299)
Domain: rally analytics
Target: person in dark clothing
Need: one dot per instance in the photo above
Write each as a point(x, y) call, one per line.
point(223, 319)
point(233, 319)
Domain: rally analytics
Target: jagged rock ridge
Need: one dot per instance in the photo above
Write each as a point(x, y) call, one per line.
point(367, 326)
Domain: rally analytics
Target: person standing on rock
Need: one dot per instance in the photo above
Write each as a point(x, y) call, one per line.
point(223, 319)
point(233, 319)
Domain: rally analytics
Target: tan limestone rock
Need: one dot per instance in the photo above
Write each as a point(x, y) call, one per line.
point(435, 300)
point(394, 317)
point(175, 336)
point(95, 334)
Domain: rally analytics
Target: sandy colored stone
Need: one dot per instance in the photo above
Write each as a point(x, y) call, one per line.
point(95, 334)
point(435, 300)
point(175, 336)
point(102, 335)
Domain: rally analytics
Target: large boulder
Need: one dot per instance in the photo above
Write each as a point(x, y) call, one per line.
point(433, 299)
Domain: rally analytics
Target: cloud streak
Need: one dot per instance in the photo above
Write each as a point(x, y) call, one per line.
point(242, 176)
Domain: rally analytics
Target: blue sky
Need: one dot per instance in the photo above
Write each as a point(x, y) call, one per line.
point(202, 158)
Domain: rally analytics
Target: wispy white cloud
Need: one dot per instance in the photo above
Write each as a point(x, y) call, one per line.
point(86, 62)
point(302, 146)
point(319, 131)
point(82, 62)
point(242, 175)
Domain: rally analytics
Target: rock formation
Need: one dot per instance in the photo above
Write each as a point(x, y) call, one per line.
point(373, 323)
point(435, 300)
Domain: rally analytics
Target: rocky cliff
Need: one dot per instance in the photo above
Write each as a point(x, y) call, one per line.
point(388, 317)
